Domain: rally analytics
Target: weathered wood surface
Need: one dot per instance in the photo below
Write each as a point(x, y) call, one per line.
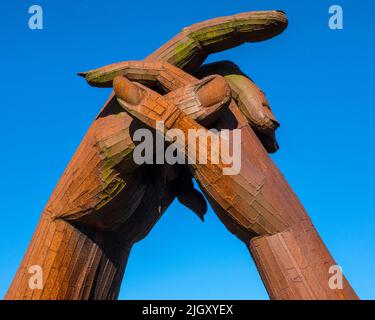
point(68, 250)
point(257, 205)
point(102, 204)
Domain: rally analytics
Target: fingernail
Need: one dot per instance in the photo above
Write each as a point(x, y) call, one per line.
point(127, 91)
point(215, 91)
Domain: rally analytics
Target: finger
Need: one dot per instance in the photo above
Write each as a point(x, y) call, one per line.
point(193, 44)
point(144, 104)
point(250, 99)
point(186, 194)
point(202, 101)
point(188, 50)
point(151, 74)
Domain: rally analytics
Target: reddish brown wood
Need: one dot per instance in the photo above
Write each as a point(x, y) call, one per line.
point(257, 205)
point(66, 238)
point(102, 204)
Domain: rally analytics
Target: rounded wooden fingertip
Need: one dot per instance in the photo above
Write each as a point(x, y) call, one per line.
point(127, 90)
point(214, 92)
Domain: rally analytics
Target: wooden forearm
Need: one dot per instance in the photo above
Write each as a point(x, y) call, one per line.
point(292, 259)
point(260, 208)
point(80, 253)
point(295, 264)
point(77, 263)
point(81, 261)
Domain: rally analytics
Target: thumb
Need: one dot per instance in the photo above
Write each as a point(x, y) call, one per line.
point(187, 195)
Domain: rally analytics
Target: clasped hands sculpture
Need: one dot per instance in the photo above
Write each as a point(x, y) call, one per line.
point(104, 202)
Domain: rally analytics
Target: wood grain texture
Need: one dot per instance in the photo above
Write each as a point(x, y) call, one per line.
point(152, 197)
point(257, 205)
point(250, 99)
point(82, 242)
point(102, 204)
point(306, 242)
point(295, 264)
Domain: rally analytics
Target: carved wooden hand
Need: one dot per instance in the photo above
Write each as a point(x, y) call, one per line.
point(103, 204)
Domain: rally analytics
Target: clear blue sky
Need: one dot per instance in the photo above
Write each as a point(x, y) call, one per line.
point(319, 82)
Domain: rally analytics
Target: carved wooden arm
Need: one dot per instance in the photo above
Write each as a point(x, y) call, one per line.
point(102, 204)
point(257, 204)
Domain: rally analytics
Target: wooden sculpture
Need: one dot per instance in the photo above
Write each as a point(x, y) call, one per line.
point(104, 202)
